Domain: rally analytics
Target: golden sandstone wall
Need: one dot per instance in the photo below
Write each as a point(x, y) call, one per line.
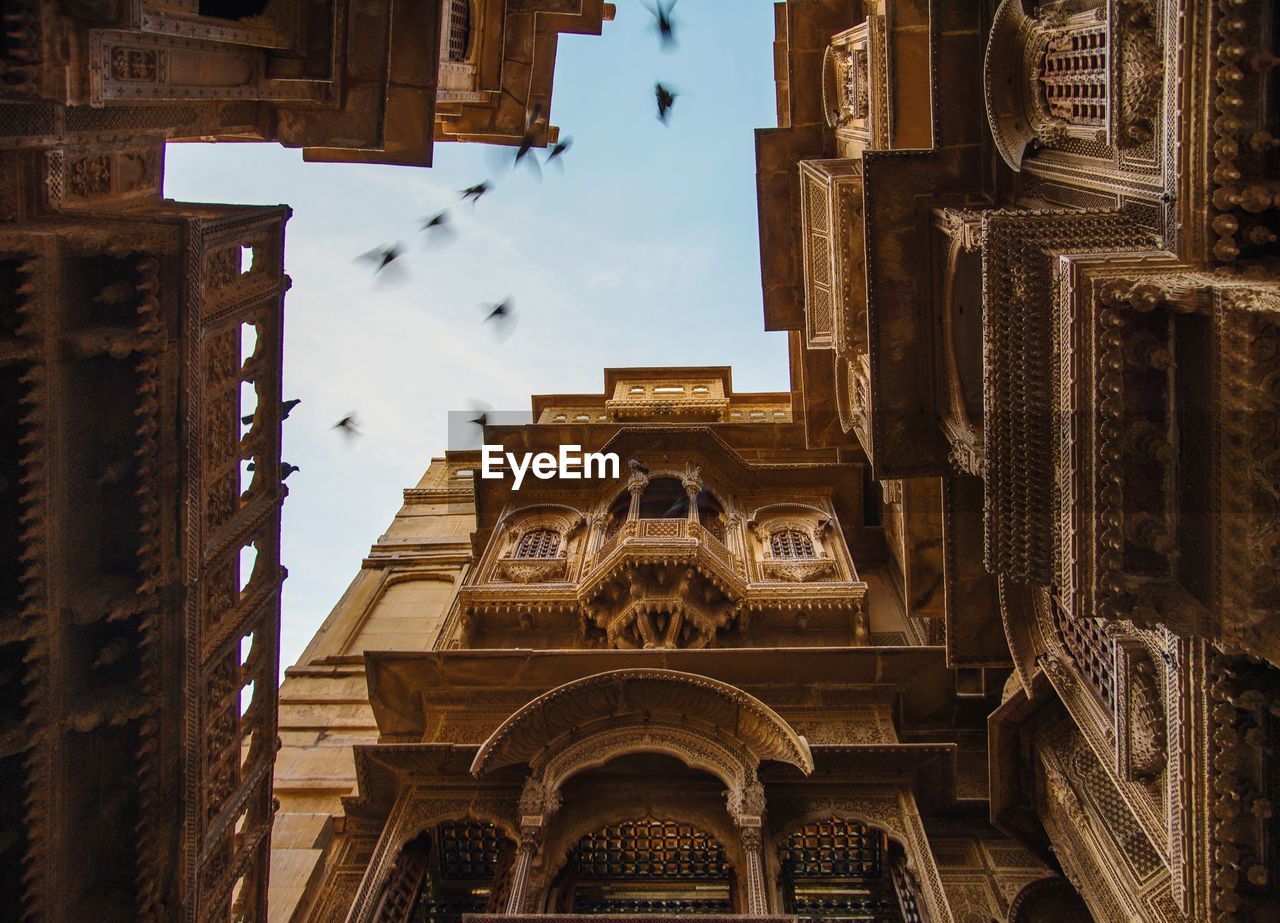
point(397, 601)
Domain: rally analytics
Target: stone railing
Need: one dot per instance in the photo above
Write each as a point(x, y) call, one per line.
point(669, 530)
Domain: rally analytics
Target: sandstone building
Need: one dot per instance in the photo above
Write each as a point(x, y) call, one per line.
point(977, 622)
point(698, 688)
point(140, 354)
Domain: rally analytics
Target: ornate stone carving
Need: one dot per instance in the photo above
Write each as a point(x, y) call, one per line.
point(797, 570)
point(746, 803)
point(89, 176)
point(532, 570)
point(1141, 69)
point(1148, 741)
point(137, 65)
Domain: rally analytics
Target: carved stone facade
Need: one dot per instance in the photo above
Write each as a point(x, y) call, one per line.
point(977, 621)
point(1065, 320)
point(141, 625)
point(983, 611)
point(624, 717)
point(140, 352)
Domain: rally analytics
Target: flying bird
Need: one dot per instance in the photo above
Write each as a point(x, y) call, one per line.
point(636, 466)
point(500, 310)
point(348, 426)
point(558, 151)
point(663, 23)
point(437, 227)
point(533, 122)
point(502, 315)
point(481, 421)
point(477, 192)
point(382, 257)
point(666, 100)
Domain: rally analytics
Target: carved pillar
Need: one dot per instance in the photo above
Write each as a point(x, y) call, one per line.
point(692, 484)
point(536, 805)
point(757, 894)
point(596, 527)
point(733, 535)
point(746, 807)
point(635, 486)
point(530, 840)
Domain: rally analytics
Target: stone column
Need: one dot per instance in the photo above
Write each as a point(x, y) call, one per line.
point(596, 526)
point(733, 535)
point(635, 486)
point(536, 805)
point(530, 840)
point(692, 484)
point(752, 848)
point(746, 807)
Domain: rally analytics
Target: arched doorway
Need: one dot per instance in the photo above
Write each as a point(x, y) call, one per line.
point(1049, 900)
point(840, 869)
point(641, 834)
point(454, 868)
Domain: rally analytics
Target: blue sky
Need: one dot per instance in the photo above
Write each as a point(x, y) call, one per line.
point(644, 251)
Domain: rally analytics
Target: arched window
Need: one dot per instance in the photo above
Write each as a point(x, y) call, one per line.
point(538, 543)
point(790, 543)
point(459, 30)
point(617, 514)
point(664, 498)
point(834, 869)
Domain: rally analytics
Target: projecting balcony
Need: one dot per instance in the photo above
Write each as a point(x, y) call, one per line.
point(669, 540)
point(835, 283)
point(662, 583)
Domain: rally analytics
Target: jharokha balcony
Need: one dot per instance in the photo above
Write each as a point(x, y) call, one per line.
point(666, 565)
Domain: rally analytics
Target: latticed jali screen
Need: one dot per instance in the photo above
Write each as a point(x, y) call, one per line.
point(833, 848)
point(1092, 652)
point(790, 543)
point(651, 849)
point(539, 543)
point(469, 850)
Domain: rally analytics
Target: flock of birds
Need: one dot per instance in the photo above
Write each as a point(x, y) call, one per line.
point(438, 228)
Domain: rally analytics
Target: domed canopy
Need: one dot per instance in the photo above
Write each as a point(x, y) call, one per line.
point(646, 698)
point(1005, 83)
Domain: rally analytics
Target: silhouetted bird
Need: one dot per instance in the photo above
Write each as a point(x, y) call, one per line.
point(663, 23)
point(286, 408)
point(437, 227)
point(382, 256)
point(348, 426)
point(481, 421)
point(499, 311)
point(636, 466)
point(501, 315)
point(531, 123)
point(666, 100)
point(558, 150)
point(477, 192)
point(287, 469)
